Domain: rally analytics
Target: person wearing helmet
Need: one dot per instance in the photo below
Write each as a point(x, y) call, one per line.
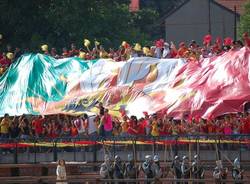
point(197, 169)
point(220, 173)
point(185, 168)
point(237, 172)
point(176, 168)
point(106, 170)
point(217, 175)
point(147, 168)
point(131, 170)
point(118, 168)
point(156, 168)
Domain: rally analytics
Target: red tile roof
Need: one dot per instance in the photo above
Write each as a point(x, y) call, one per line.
point(231, 3)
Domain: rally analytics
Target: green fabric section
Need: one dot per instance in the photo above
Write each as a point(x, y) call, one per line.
point(37, 76)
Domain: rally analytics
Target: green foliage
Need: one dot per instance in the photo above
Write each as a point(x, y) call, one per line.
point(30, 23)
point(245, 20)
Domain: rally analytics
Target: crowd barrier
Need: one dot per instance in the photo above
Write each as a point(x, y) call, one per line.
point(173, 143)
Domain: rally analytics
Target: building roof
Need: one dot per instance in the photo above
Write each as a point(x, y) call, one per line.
point(228, 5)
point(231, 3)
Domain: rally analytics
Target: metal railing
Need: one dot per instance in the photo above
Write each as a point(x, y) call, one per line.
point(114, 144)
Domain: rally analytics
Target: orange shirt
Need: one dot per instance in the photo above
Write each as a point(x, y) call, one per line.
point(74, 131)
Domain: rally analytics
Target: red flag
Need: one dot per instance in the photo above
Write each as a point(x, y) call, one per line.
point(218, 41)
point(207, 39)
point(228, 41)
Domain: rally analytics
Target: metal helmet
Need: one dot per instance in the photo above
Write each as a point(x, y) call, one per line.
point(148, 158)
point(106, 158)
point(130, 157)
point(216, 168)
point(176, 157)
point(156, 158)
point(117, 158)
point(237, 162)
point(184, 157)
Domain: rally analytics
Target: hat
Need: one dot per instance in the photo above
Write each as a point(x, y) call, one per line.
point(44, 47)
point(10, 55)
point(137, 47)
point(97, 43)
point(156, 158)
point(86, 42)
point(82, 55)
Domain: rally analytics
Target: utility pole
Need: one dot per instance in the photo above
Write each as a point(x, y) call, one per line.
point(235, 23)
point(209, 17)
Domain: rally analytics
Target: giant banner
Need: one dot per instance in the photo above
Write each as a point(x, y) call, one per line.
point(39, 84)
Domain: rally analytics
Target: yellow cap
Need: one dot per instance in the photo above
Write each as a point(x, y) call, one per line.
point(97, 43)
point(82, 55)
point(137, 47)
point(124, 43)
point(10, 55)
point(44, 47)
point(86, 42)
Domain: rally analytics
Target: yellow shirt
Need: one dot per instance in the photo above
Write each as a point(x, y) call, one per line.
point(155, 129)
point(5, 124)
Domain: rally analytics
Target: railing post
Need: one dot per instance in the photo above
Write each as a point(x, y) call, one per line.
point(55, 151)
point(35, 151)
point(74, 150)
point(15, 153)
point(114, 151)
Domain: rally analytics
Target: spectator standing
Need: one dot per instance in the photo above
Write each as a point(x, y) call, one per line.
point(4, 125)
point(108, 125)
point(61, 172)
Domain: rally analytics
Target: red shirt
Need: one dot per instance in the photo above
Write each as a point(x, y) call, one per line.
point(38, 125)
point(141, 129)
point(5, 62)
point(245, 126)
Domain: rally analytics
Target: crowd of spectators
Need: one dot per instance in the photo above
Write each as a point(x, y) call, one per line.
point(105, 125)
point(160, 49)
point(56, 126)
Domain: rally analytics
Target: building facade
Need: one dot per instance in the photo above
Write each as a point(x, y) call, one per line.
point(196, 18)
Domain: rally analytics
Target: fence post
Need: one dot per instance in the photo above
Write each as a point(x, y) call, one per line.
point(15, 153)
point(74, 150)
point(35, 151)
point(55, 151)
point(114, 151)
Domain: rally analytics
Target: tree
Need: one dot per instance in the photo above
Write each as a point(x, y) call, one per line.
point(245, 21)
point(31, 23)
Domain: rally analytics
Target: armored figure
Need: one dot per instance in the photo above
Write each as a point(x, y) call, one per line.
point(106, 170)
point(157, 170)
point(185, 168)
point(176, 168)
point(118, 168)
point(197, 169)
point(217, 175)
point(237, 172)
point(147, 168)
point(131, 171)
point(220, 173)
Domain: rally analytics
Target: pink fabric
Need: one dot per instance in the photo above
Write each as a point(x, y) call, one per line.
point(108, 126)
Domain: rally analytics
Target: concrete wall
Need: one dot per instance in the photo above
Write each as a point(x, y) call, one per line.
point(190, 22)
